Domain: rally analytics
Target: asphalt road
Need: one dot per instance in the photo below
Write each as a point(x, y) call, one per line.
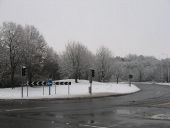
point(149, 108)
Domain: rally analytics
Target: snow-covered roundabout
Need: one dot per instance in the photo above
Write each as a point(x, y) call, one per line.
point(77, 90)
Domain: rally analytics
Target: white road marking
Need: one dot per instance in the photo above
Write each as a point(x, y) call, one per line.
point(93, 126)
point(20, 109)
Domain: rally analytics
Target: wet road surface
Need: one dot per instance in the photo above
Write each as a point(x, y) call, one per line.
point(149, 108)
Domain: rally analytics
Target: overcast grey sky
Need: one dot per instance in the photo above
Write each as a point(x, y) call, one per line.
point(124, 26)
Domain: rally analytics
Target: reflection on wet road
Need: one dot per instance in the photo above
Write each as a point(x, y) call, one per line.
point(149, 108)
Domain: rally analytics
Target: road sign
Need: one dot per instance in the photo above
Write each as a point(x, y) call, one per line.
point(62, 83)
point(50, 83)
point(42, 83)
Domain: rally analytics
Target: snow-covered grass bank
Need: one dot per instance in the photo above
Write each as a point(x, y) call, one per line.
point(164, 84)
point(76, 90)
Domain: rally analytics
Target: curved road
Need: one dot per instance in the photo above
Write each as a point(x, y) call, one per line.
point(149, 108)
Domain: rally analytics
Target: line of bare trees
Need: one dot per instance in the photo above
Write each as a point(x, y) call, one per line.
point(25, 45)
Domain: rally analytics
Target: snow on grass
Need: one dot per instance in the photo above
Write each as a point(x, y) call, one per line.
point(76, 90)
point(164, 84)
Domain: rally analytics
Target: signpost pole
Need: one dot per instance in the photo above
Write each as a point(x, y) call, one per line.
point(130, 77)
point(55, 88)
point(50, 83)
point(22, 91)
point(27, 89)
point(23, 73)
point(92, 74)
point(68, 90)
point(129, 81)
point(49, 90)
point(68, 83)
point(43, 89)
point(90, 88)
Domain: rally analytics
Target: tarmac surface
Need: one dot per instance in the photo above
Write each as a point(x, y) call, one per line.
point(149, 108)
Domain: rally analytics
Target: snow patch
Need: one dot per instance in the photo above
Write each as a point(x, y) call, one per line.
point(164, 84)
point(80, 89)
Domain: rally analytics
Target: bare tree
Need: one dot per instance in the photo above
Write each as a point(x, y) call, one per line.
point(73, 60)
point(104, 64)
point(118, 70)
point(34, 51)
point(12, 38)
point(4, 63)
point(51, 64)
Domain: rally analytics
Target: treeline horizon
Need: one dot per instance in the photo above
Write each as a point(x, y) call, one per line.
point(26, 46)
